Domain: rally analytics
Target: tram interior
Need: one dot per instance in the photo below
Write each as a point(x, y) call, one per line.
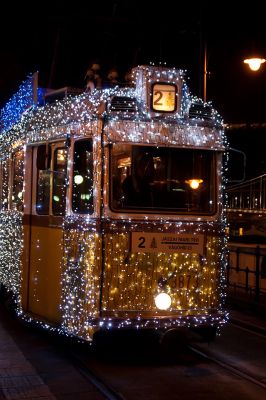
point(160, 178)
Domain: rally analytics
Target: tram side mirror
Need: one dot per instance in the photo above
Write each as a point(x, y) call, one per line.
point(236, 166)
point(43, 157)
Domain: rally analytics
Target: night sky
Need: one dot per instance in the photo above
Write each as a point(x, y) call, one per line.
point(60, 40)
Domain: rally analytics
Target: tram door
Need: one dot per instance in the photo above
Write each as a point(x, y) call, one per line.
point(47, 211)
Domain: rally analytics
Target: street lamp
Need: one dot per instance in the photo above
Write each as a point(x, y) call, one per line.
point(205, 73)
point(254, 63)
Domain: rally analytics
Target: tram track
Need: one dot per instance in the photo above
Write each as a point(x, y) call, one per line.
point(85, 366)
point(110, 393)
point(86, 371)
point(248, 327)
point(228, 367)
point(118, 371)
point(98, 368)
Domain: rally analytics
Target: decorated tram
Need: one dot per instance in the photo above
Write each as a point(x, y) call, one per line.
point(112, 208)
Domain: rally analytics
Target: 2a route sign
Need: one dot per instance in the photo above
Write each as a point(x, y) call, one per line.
point(146, 242)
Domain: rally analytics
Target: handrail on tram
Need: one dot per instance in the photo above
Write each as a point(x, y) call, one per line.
point(238, 181)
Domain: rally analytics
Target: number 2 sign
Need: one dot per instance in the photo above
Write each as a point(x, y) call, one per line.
point(164, 97)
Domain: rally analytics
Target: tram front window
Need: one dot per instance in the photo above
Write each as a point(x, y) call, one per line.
point(160, 179)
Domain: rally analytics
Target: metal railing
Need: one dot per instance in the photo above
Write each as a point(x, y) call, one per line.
point(246, 272)
point(248, 196)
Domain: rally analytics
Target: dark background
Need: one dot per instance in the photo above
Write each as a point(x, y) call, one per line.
point(60, 39)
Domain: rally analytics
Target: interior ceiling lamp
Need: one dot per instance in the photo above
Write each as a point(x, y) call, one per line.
point(254, 63)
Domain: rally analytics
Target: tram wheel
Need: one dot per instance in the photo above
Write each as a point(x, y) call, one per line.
point(206, 333)
point(174, 342)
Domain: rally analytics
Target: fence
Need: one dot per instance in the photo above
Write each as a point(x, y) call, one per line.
point(246, 272)
point(249, 195)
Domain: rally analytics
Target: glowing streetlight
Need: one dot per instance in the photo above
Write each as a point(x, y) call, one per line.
point(254, 63)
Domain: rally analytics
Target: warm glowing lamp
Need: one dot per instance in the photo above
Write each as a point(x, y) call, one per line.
point(194, 183)
point(254, 63)
point(163, 301)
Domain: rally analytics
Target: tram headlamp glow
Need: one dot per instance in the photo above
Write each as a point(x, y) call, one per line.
point(163, 301)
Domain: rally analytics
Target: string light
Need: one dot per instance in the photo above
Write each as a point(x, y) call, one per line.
point(196, 284)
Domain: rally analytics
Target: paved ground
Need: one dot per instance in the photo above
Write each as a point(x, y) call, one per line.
point(31, 368)
point(33, 364)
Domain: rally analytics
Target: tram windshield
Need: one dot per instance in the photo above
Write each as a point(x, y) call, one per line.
point(162, 179)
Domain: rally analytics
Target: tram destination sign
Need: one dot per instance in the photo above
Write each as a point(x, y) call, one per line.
point(147, 242)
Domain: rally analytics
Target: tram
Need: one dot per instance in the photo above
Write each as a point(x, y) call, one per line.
point(112, 209)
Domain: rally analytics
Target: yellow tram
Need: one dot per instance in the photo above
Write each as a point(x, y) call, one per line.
point(112, 209)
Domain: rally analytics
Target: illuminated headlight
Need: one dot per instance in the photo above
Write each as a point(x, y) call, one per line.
point(163, 301)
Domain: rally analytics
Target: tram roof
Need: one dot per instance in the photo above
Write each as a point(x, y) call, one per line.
point(197, 123)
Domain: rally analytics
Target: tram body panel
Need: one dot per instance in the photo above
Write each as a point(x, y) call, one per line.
point(25, 257)
point(131, 279)
point(46, 254)
point(45, 238)
point(81, 274)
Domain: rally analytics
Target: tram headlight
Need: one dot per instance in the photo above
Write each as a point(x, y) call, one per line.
point(163, 301)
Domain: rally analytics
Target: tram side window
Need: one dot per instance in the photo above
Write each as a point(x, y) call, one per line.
point(82, 190)
point(17, 184)
point(59, 181)
point(4, 184)
point(43, 180)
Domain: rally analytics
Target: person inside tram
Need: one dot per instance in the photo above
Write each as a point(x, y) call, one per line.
point(137, 187)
